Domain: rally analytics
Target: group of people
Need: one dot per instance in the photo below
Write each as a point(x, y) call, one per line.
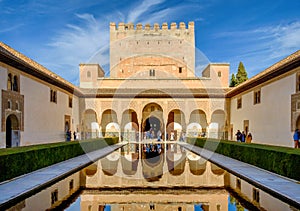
point(69, 135)
point(296, 138)
point(152, 150)
point(243, 137)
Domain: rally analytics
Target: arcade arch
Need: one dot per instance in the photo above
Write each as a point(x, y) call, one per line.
point(12, 131)
point(216, 128)
point(197, 124)
point(129, 125)
point(109, 123)
point(90, 125)
point(152, 121)
point(176, 124)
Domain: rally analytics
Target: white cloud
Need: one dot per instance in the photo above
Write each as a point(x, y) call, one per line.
point(262, 47)
point(137, 11)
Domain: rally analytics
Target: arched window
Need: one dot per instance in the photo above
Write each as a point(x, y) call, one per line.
point(9, 82)
point(9, 104)
point(88, 74)
point(15, 84)
point(17, 105)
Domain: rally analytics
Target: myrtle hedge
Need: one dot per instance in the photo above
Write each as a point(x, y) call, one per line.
point(22, 160)
point(280, 160)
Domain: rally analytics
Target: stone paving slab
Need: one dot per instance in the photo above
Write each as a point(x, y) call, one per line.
point(19, 188)
point(280, 187)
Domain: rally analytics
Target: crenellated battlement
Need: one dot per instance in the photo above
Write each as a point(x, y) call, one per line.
point(155, 27)
point(171, 46)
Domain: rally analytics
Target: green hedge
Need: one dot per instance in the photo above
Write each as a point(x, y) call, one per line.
point(281, 160)
point(22, 160)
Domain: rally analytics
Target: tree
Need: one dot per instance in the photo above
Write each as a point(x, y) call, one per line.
point(241, 75)
point(233, 81)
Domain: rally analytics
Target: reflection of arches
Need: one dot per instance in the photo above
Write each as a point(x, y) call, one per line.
point(216, 169)
point(12, 131)
point(109, 164)
point(197, 164)
point(90, 124)
point(129, 163)
point(91, 170)
point(217, 125)
point(176, 162)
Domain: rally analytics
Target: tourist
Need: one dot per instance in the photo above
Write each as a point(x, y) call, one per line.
point(296, 138)
point(238, 136)
point(243, 138)
point(249, 138)
point(74, 135)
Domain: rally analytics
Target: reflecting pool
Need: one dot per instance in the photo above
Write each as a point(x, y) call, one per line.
point(150, 176)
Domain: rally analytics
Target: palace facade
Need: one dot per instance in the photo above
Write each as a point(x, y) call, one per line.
point(152, 90)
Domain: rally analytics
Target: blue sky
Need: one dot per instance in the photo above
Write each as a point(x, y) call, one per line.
point(62, 34)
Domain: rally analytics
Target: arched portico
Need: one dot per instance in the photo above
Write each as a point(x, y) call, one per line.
point(216, 128)
point(152, 121)
point(176, 124)
point(197, 124)
point(129, 125)
point(90, 125)
point(12, 131)
point(109, 123)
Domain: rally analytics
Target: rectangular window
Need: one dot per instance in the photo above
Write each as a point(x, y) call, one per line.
point(257, 96)
point(71, 185)
point(238, 184)
point(152, 72)
point(53, 96)
point(180, 69)
point(219, 74)
point(255, 195)
point(54, 196)
point(239, 103)
point(70, 102)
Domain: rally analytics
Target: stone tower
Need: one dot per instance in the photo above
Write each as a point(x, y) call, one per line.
point(152, 51)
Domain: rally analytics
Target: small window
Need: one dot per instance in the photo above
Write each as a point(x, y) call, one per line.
point(53, 96)
point(239, 103)
point(219, 74)
point(70, 102)
point(54, 196)
point(257, 97)
point(71, 185)
point(9, 104)
point(238, 184)
point(180, 69)
point(255, 195)
point(17, 105)
point(152, 72)
point(15, 84)
point(9, 82)
point(88, 74)
point(147, 43)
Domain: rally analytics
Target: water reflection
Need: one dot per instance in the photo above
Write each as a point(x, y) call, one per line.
point(153, 165)
point(148, 176)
